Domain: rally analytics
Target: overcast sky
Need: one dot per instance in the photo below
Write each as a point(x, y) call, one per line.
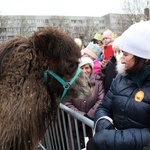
point(59, 7)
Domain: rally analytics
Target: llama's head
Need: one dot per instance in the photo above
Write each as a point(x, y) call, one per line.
point(26, 99)
point(60, 56)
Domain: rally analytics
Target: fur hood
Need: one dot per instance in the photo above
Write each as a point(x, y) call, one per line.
point(120, 68)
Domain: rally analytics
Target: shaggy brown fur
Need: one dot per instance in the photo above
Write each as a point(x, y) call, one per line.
point(25, 100)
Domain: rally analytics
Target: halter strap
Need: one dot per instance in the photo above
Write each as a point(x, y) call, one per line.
point(66, 85)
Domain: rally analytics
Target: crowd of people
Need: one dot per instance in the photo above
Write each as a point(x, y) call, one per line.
point(119, 74)
point(122, 119)
point(118, 69)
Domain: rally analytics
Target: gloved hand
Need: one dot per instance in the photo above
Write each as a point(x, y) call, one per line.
point(103, 124)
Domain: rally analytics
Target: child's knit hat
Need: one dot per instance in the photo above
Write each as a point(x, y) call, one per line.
point(108, 34)
point(93, 50)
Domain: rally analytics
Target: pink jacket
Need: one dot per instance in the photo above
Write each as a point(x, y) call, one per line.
point(96, 67)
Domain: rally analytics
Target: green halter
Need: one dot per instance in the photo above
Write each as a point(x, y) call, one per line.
point(66, 85)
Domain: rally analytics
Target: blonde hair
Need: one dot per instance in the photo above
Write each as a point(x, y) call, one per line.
point(116, 44)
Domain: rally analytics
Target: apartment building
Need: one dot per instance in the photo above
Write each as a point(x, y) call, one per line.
point(83, 27)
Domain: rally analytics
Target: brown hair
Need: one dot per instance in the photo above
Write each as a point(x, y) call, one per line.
point(139, 64)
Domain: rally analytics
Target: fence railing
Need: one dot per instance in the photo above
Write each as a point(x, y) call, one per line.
point(69, 132)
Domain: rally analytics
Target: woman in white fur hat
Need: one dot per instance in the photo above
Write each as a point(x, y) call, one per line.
point(88, 106)
point(122, 120)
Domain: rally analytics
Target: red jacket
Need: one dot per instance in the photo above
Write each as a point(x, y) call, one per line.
point(108, 52)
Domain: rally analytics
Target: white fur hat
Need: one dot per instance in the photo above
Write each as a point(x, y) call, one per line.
point(135, 40)
point(85, 60)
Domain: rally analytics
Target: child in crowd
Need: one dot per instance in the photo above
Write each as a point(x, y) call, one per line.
point(93, 51)
point(107, 44)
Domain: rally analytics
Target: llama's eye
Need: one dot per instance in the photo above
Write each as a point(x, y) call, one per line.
point(72, 67)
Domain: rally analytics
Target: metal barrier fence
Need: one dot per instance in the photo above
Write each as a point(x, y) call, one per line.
point(69, 132)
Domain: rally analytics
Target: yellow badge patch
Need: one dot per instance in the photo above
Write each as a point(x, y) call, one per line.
point(139, 96)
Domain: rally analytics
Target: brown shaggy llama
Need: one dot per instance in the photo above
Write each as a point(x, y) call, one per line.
point(26, 100)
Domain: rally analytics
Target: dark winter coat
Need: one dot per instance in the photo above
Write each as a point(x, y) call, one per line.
point(88, 106)
point(130, 113)
point(109, 73)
